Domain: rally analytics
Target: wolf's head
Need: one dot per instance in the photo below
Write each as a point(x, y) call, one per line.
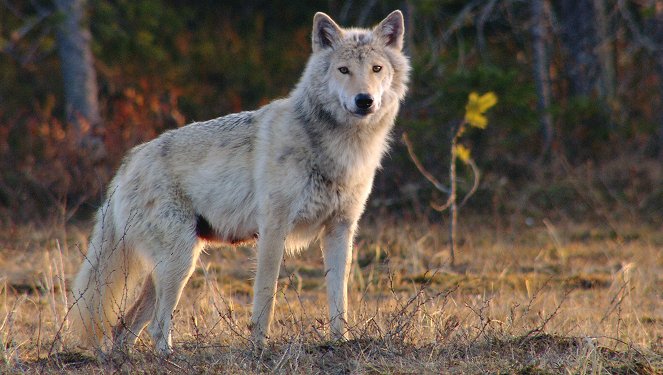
point(355, 74)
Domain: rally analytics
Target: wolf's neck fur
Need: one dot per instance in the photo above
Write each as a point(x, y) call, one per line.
point(344, 147)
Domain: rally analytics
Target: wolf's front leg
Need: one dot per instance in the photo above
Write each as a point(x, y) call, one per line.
point(337, 252)
point(271, 244)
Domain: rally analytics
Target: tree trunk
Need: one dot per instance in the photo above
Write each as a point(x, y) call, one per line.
point(541, 72)
point(77, 64)
point(579, 40)
point(605, 52)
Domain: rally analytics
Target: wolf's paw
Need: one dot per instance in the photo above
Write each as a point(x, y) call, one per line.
point(258, 342)
point(163, 349)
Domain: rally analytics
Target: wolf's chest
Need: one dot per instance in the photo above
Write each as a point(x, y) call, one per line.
point(320, 199)
point(316, 204)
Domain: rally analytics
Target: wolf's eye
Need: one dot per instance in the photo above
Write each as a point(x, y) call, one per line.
point(344, 70)
point(377, 68)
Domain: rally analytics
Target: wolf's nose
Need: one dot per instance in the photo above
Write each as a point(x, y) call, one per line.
point(363, 101)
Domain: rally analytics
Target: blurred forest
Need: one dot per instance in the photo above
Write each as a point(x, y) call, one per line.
point(577, 132)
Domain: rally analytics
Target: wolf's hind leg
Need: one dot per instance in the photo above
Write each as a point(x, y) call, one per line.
point(170, 275)
point(127, 331)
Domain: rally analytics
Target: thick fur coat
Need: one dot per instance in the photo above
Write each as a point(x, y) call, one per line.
point(297, 170)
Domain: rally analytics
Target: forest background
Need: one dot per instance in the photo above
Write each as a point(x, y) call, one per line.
point(579, 83)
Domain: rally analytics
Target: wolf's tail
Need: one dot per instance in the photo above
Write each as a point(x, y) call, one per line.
point(108, 271)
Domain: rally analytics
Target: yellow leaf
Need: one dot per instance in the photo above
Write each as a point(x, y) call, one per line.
point(486, 101)
point(477, 106)
point(463, 153)
point(476, 119)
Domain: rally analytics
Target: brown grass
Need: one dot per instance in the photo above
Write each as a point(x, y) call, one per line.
point(549, 298)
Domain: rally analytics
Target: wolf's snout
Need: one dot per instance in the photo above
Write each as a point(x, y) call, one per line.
point(364, 101)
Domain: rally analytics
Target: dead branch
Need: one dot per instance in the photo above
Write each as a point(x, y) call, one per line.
point(438, 185)
point(475, 185)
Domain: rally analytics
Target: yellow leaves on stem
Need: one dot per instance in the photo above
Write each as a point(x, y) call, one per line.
point(476, 107)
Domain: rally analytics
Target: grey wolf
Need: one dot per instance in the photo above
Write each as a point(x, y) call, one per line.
point(297, 170)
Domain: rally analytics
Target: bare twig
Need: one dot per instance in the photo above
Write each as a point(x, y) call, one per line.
point(541, 327)
point(475, 185)
point(485, 319)
point(456, 24)
point(617, 300)
point(438, 185)
point(17, 35)
point(441, 207)
point(641, 38)
point(460, 19)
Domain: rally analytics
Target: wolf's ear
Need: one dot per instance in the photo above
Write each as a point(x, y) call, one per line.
point(325, 32)
point(391, 30)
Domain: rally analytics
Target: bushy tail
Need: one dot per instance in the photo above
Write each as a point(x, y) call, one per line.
point(108, 271)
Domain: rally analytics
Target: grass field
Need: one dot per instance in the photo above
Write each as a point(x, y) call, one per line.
point(545, 298)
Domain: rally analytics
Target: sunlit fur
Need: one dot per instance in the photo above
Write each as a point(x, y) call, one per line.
point(296, 170)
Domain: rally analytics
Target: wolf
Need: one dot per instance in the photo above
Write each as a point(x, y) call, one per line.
point(292, 172)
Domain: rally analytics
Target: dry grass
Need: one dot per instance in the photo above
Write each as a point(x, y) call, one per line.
point(542, 299)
